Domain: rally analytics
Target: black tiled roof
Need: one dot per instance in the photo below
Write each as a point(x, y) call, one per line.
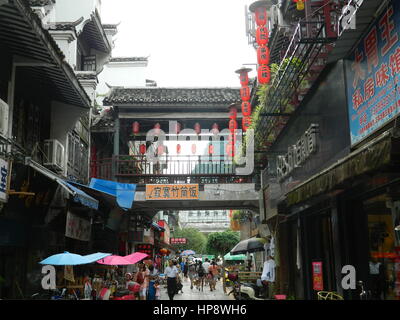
point(172, 96)
point(40, 3)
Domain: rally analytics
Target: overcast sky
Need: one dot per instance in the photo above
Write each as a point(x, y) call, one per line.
point(189, 42)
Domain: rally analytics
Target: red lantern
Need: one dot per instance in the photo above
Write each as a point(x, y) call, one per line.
point(215, 128)
point(232, 112)
point(210, 149)
point(246, 122)
point(194, 149)
point(232, 125)
point(245, 93)
point(246, 108)
point(178, 148)
point(244, 79)
point(264, 74)
point(135, 127)
point(262, 36)
point(261, 16)
point(197, 128)
point(263, 55)
point(230, 149)
point(142, 148)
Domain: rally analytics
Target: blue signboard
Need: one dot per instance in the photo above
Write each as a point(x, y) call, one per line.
point(373, 76)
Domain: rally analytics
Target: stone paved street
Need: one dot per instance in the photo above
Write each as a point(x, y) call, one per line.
point(195, 294)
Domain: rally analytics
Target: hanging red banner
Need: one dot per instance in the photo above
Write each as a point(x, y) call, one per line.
point(178, 148)
point(245, 93)
point(263, 55)
point(211, 149)
point(262, 36)
point(142, 148)
point(264, 74)
point(246, 108)
point(261, 16)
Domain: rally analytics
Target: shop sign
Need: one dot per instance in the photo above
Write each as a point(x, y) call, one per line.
point(172, 192)
point(372, 73)
point(165, 235)
point(77, 228)
point(298, 153)
point(318, 284)
point(4, 176)
point(348, 18)
point(178, 240)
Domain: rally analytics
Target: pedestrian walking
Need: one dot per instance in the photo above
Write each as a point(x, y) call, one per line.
point(201, 274)
point(158, 290)
point(171, 273)
point(192, 273)
point(213, 272)
point(186, 269)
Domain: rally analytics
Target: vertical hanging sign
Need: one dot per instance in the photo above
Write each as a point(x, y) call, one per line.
point(318, 283)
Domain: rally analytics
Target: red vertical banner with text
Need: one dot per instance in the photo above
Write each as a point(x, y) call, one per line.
point(318, 282)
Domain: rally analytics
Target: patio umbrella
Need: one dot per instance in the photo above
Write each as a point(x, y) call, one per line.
point(65, 259)
point(114, 261)
point(96, 256)
point(188, 253)
point(249, 245)
point(136, 257)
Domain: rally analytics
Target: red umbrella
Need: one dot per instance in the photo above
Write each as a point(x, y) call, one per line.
point(115, 261)
point(136, 257)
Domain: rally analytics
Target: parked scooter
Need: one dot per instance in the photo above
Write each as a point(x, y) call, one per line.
point(246, 291)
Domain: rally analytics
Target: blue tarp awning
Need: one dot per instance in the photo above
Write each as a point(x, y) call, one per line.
point(124, 192)
point(81, 197)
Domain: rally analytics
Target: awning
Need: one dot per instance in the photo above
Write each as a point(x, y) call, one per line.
point(376, 154)
point(124, 192)
point(77, 195)
point(155, 226)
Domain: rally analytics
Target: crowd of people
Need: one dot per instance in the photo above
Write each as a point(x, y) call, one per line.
point(200, 274)
point(149, 280)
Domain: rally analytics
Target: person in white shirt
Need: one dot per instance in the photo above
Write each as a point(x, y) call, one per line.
point(268, 275)
point(171, 273)
point(206, 265)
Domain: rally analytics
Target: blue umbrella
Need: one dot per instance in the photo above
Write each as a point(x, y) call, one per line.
point(65, 259)
point(96, 256)
point(188, 253)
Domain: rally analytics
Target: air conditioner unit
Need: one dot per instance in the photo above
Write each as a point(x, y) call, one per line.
point(4, 111)
point(54, 154)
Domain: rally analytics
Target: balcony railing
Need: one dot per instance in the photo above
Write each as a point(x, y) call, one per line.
point(171, 169)
point(305, 58)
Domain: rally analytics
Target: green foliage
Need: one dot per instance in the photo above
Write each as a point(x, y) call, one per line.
point(195, 240)
point(219, 243)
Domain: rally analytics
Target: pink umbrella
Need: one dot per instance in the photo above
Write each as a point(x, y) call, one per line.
point(136, 257)
point(114, 261)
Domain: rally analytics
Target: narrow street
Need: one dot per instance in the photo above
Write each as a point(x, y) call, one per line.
point(195, 294)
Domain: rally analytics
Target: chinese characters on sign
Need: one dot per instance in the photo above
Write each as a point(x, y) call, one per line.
point(373, 75)
point(172, 192)
point(77, 228)
point(3, 180)
point(318, 283)
point(178, 240)
point(298, 153)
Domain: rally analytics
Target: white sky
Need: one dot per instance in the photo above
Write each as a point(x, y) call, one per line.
point(190, 42)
